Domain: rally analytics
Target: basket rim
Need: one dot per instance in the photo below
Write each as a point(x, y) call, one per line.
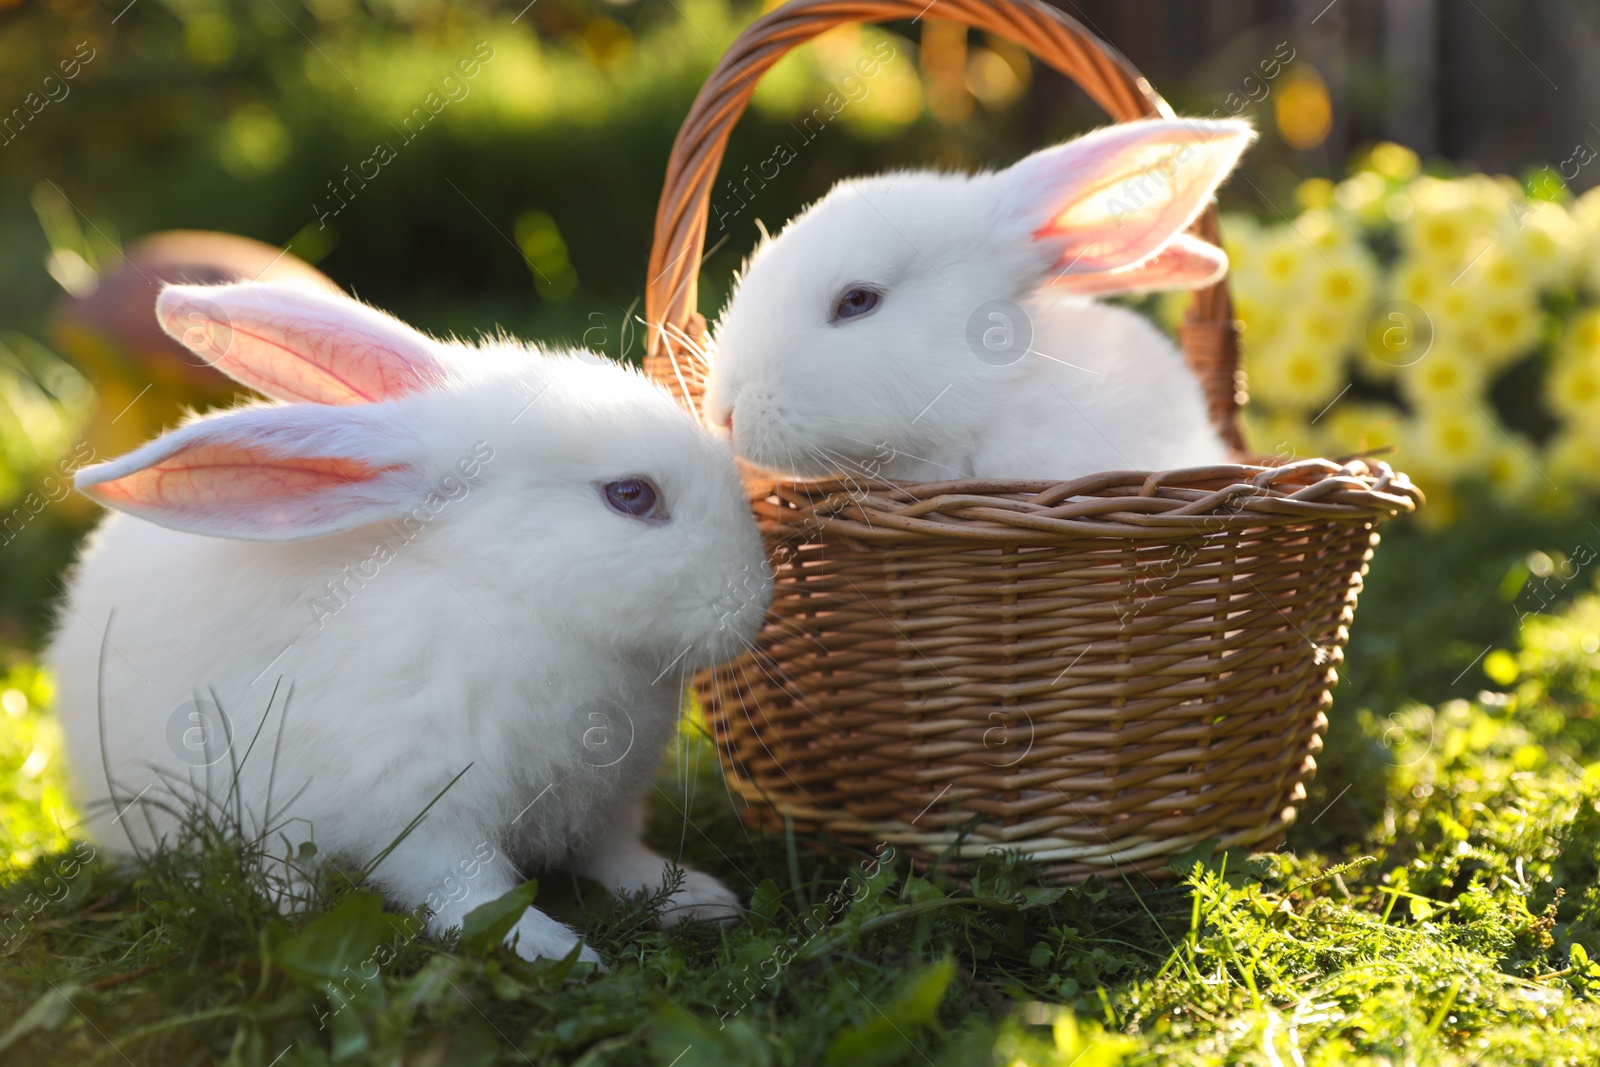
point(1163, 505)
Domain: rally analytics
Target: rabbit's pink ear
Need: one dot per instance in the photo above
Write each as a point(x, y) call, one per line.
point(263, 474)
point(1186, 263)
point(298, 344)
point(1113, 198)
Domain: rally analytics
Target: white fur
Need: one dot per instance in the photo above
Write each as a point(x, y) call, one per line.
point(901, 393)
point(514, 616)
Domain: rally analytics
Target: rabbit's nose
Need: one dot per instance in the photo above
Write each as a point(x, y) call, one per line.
point(727, 422)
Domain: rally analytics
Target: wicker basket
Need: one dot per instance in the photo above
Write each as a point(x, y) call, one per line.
point(1100, 673)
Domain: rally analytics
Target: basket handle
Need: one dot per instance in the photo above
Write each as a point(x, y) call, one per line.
point(1208, 335)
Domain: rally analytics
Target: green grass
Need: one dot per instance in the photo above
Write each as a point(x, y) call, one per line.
point(1437, 904)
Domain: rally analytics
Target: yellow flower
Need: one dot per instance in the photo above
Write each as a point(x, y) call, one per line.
point(1280, 435)
point(1450, 441)
point(1397, 334)
point(1353, 426)
point(1323, 230)
point(1442, 378)
point(1572, 458)
point(1583, 333)
point(1543, 239)
point(1344, 281)
point(1586, 213)
point(1365, 197)
point(1572, 388)
point(1461, 303)
point(1282, 258)
point(1508, 327)
point(1586, 209)
point(1398, 207)
point(1394, 161)
point(1454, 313)
point(1262, 319)
point(1296, 375)
point(1442, 237)
point(1447, 224)
point(1500, 273)
point(1323, 329)
point(1490, 194)
point(1419, 281)
point(1314, 193)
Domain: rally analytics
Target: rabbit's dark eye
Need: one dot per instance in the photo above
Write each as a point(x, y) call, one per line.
point(636, 497)
point(856, 301)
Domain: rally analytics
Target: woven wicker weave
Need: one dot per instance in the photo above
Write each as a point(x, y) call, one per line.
point(1100, 673)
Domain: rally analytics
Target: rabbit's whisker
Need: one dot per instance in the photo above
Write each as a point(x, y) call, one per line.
point(799, 631)
point(852, 422)
point(677, 373)
point(757, 733)
point(908, 455)
point(787, 685)
point(690, 345)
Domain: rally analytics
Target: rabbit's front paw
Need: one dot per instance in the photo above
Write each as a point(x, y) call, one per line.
point(702, 899)
point(537, 936)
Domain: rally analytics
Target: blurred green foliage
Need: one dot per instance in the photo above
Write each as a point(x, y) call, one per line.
point(34, 812)
point(243, 115)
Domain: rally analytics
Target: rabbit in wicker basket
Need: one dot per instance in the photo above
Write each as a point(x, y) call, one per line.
point(479, 575)
point(924, 326)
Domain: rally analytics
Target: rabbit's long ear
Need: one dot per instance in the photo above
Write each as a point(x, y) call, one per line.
point(1186, 263)
point(1112, 199)
point(298, 344)
point(265, 474)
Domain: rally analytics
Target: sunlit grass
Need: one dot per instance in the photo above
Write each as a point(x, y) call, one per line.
point(34, 810)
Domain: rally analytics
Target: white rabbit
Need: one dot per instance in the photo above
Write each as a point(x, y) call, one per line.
point(924, 326)
point(486, 562)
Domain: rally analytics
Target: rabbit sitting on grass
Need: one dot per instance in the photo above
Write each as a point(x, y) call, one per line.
point(477, 577)
point(946, 321)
